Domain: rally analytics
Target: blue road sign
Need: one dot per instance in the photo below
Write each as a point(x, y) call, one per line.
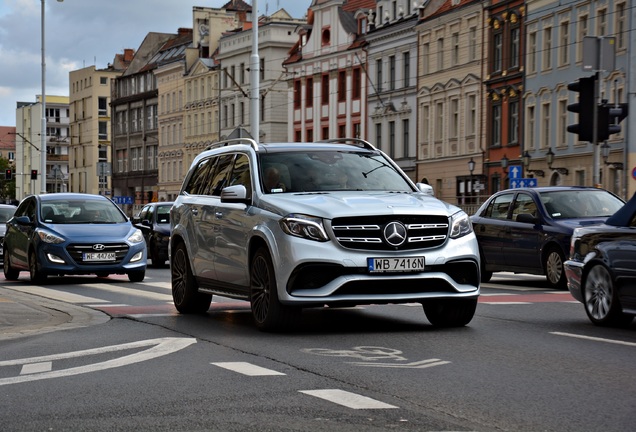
point(523, 183)
point(514, 172)
point(123, 199)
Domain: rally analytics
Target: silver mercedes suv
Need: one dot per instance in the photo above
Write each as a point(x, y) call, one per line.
point(334, 223)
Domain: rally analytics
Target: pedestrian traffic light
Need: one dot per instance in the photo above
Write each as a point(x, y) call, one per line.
point(8, 174)
point(609, 117)
point(34, 174)
point(584, 108)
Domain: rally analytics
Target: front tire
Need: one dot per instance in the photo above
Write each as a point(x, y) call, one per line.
point(450, 312)
point(137, 275)
point(600, 298)
point(35, 272)
point(185, 292)
point(554, 270)
point(10, 273)
point(268, 312)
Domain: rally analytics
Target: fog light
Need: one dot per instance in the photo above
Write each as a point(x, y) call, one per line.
point(137, 257)
point(54, 258)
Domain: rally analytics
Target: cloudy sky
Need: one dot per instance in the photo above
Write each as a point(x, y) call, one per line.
point(81, 33)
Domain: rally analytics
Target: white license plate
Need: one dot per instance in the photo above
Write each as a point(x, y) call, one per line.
point(386, 265)
point(99, 256)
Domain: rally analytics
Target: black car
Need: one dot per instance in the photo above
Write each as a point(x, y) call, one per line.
point(6, 212)
point(528, 230)
point(601, 271)
point(154, 222)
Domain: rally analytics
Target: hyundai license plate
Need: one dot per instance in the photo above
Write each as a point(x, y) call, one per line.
point(99, 256)
point(386, 265)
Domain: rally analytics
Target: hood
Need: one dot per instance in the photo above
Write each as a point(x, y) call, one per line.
point(93, 232)
point(571, 224)
point(342, 204)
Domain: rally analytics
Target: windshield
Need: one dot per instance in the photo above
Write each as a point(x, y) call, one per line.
point(580, 203)
point(163, 214)
point(320, 171)
point(6, 213)
point(81, 212)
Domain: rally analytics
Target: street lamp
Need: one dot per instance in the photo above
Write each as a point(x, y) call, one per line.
point(549, 158)
point(43, 131)
point(526, 164)
point(471, 168)
point(605, 152)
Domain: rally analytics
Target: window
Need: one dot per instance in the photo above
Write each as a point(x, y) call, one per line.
point(325, 132)
point(297, 94)
point(497, 54)
point(514, 48)
point(391, 72)
point(581, 33)
point(378, 134)
point(309, 93)
point(472, 43)
point(103, 130)
point(513, 122)
point(326, 36)
point(342, 86)
point(392, 139)
point(406, 77)
point(324, 91)
point(455, 48)
point(601, 22)
point(440, 54)
point(564, 44)
point(532, 52)
point(357, 83)
point(439, 121)
point(405, 138)
point(620, 28)
point(454, 119)
point(378, 75)
point(562, 123)
point(262, 69)
point(425, 58)
point(471, 120)
point(545, 133)
point(102, 107)
point(104, 80)
point(547, 48)
point(496, 126)
point(242, 73)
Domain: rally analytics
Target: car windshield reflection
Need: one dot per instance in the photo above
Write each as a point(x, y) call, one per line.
point(80, 212)
point(580, 204)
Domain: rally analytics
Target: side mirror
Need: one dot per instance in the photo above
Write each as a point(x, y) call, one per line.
point(23, 220)
point(425, 188)
point(235, 194)
point(527, 218)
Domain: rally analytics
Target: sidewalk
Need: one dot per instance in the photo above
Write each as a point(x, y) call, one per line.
point(24, 314)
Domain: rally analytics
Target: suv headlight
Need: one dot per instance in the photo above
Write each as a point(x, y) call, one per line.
point(49, 237)
point(304, 226)
point(460, 225)
point(136, 237)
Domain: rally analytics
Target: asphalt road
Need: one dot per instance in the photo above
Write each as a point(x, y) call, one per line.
point(530, 360)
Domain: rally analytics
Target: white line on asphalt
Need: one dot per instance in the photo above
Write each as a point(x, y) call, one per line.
point(348, 399)
point(131, 291)
point(497, 294)
point(36, 368)
point(153, 315)
point(110, 305)
point(597, 339)
point(247, 368)
point(505, 303)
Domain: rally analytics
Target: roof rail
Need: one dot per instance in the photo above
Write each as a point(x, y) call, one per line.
point(227, 142)
point(352, 141)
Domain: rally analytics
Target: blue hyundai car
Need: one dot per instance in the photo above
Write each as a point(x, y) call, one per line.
point(72, 234)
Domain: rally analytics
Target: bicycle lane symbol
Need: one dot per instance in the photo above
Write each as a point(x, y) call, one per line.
point(390, 358)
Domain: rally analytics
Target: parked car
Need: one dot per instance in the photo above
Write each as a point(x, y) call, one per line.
point(289, 226)
point(72, 234)
point(154, 222)
point(528, 230)
point(6, 212)
point(601, 270)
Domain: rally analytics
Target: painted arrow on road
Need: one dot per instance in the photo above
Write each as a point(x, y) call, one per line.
point(38, 368)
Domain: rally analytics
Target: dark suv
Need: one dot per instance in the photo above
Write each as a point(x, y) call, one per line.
point(289, 226)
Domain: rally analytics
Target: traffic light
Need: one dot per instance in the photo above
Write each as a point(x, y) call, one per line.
point(609, 117)
point(584, 108)
point(34, 174)
point(8, 174)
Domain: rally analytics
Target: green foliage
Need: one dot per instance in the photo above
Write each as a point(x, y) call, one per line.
point(7, 187)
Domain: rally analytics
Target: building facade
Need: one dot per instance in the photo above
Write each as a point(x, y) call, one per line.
point(450, 98)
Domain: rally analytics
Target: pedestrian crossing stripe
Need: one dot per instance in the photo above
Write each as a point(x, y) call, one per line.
point(348, 399)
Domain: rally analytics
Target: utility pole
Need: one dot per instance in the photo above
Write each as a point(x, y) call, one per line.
point(254, 76)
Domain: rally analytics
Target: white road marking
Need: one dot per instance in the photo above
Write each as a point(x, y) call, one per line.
point(109, 305)
point(163, 285)
point(505, 303)
point(247, 368)
point(59, 295)
point(497, 294)
point(597, 339)
point(413, 365)
point(131, 291)
point(139, 316)
point(348, 399)
point(158, 347)
point(40, 367)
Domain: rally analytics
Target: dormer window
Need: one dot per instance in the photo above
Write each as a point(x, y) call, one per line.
point(362, 25)
point(326, 36)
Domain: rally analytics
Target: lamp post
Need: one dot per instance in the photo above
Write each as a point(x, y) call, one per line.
point(471, 168)
point(43, 131)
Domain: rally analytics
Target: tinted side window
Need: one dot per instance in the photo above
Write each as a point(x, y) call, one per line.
point(498, 208)
point(524, 204)
point(149, 213)
point(197, 182)
point(241, 173)
point(220, 176)
point(27, 208)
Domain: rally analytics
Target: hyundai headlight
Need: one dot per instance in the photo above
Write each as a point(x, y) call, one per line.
point(49, 237)
point(460, 225)
point(304, 226)
point(136, 237)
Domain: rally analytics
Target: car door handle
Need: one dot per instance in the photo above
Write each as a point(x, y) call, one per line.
point(218, 215)
point(195, 211)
